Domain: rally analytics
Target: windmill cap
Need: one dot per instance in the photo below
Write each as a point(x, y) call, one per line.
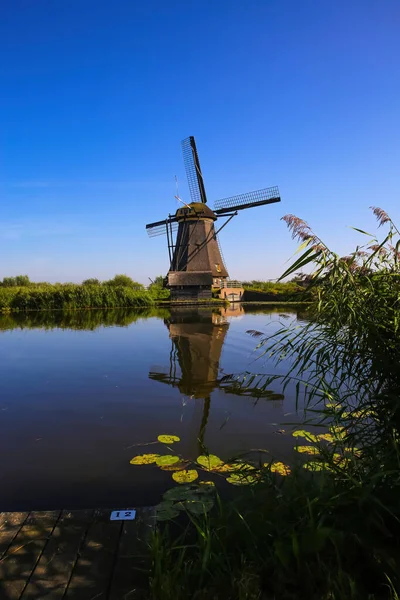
point(195, 210)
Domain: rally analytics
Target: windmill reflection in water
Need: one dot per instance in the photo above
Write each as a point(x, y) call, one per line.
point(197, 338)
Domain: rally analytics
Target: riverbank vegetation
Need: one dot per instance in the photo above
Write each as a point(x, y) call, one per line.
point(328, 528)
point(20, 294)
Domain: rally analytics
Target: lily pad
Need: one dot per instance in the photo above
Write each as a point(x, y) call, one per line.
point(338, 432)
point(311, 437)
point(166, 511)
point(316, 466)
point(168, 439)
point(185, 476)
point(144, 459)
point(166, 461)
point(210, 462)
point(240, 466)
point(354, 451)
point(241, 479)
point(307, 449)
point(177, 466)
point(281, 468)
point(340, 460)
point(206, 487)
point(178, 494)
point(198, 507)
point(327, 437)
point(333, 405)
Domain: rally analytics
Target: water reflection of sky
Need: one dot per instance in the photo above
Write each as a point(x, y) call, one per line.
point(73, 402)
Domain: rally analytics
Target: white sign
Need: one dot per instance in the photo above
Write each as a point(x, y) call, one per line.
point(123, 515)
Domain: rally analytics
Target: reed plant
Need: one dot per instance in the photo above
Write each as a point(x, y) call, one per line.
point(331, 529)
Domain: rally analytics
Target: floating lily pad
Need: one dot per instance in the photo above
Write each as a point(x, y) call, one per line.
point(185, 476)
point(241, 479)
point(281, 468)
point(307, 449)
point(144, 459)
point(177, 466)
point(317, 466)
point(166, 511)
point(167, 460)
point(354, 451)
point(311, 437)
point(206, 487)
point(338, 432)
point(210, 462)
point(340, 460)
point(198, 507)
point(168, 439)
point(184, 492)
point(327, 437)
point(240, 466)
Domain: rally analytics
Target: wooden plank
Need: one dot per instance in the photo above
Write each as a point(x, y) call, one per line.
point(129, 581)
point(23, 554)
point(53, 571)
point(10, 524)
point(92, 573)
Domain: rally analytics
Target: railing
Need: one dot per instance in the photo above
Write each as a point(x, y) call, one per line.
point(231, 283)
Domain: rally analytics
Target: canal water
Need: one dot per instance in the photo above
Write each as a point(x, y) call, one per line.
point(83, 392)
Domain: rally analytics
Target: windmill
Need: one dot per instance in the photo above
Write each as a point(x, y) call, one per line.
point(196, 263)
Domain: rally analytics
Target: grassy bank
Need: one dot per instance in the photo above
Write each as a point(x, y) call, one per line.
point(21, 294)
point(328, 527)
point(72, 296)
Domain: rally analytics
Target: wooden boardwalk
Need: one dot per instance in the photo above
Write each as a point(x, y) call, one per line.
point(73, 555)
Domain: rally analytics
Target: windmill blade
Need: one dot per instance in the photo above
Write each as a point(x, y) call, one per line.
point(160, 227)
point(249, 200)
point(193, 170)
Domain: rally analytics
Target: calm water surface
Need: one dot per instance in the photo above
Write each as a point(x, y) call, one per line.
point(80, 392)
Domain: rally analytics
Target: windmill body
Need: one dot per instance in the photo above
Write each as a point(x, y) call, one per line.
point(196, 262)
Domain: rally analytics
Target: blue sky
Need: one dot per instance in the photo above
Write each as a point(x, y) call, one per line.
point(97, 95)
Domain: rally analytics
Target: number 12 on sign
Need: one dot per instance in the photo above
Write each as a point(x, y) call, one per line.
point(123, 515)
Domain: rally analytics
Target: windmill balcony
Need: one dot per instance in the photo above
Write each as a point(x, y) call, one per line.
point(231, 290)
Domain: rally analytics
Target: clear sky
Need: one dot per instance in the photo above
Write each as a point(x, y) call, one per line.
point(97, 95)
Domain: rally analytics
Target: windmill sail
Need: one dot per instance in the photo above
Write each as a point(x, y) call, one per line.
point(160, 227)
point(193, 170)
point(249, 200)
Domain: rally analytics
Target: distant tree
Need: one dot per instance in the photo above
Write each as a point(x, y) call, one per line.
point(19, 280)
point(91, 281)
point(124, 281)
point(22, 280)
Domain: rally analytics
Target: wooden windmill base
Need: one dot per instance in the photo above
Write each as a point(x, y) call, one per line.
point(190, 285)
